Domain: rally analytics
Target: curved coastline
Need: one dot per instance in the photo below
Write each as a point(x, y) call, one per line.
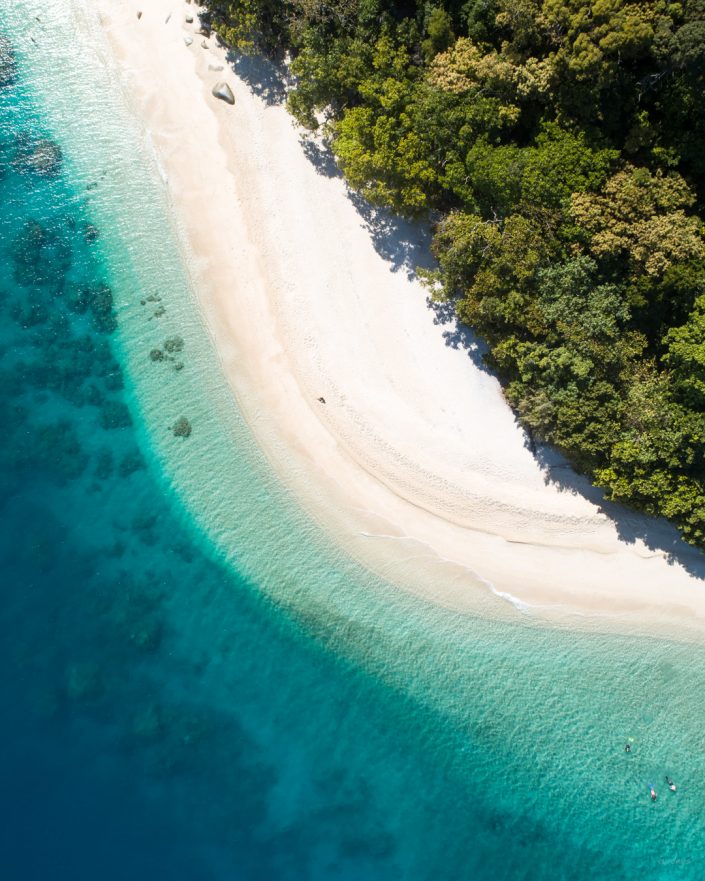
point(526, 722)
point(410, 474)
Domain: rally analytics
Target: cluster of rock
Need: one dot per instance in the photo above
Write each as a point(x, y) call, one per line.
point(95, 300)
point(220, 90)
point(31, 154)
point(63, 330)
point(172, 347)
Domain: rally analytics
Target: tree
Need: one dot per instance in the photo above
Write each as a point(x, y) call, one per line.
point(641, 215)
point(686, 357)
point(439, 32)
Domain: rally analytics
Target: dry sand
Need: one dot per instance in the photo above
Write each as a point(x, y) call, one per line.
point(414, 462)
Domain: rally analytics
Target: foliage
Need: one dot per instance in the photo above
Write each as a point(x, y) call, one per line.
point(559, 146)
point(641, 216)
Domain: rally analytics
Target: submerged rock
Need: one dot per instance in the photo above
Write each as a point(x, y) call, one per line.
point(97, 298)
point(83, 681)
point(104, 465)
point(40, 255)
point(58, 449)
point(173, 344)
point(224, 92)
point(148, 636)
point(93, 396)
point(90, 233)
point(102, 312)
point(29, 314)
point(8, 63)
point(76, 298)
point(37, 156)
point(114, 414)
point(130, 463)
point(182, 427)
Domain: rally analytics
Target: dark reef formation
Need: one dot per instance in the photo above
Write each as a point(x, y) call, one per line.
point(37, 156)
point(8, 63)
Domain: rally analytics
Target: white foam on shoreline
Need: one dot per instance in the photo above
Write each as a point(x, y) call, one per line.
point(519, 605)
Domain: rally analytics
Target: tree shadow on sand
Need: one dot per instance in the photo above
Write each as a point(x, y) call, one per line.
point(267, 79)
point(657, 534)
point(320, 156)
point(457, 335)
point(406, 246)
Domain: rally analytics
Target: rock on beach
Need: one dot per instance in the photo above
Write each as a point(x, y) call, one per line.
point(224, 92)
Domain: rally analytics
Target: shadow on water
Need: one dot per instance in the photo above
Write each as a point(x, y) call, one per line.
point(406, 246)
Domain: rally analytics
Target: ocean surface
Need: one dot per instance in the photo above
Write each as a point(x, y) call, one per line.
point(196, 685)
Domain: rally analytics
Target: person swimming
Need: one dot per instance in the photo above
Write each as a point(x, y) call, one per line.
point(653, 792)
point(627, 748)
point(671, 784)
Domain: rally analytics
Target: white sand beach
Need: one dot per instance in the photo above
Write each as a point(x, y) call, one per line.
point(414, 462)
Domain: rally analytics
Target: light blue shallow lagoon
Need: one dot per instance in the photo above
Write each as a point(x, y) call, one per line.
point(196, 685)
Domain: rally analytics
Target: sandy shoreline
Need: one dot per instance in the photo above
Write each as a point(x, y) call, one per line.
point(414, 462)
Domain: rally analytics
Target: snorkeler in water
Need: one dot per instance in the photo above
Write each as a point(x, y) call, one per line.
point(671, 784)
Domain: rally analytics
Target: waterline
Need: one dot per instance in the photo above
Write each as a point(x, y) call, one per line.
point(477, 747)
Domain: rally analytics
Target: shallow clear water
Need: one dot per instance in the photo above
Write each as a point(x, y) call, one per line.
point(196, 685)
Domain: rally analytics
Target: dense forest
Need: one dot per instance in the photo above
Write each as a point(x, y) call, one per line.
point(559, 149)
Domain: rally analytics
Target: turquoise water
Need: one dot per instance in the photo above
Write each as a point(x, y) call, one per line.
point(196, 685)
